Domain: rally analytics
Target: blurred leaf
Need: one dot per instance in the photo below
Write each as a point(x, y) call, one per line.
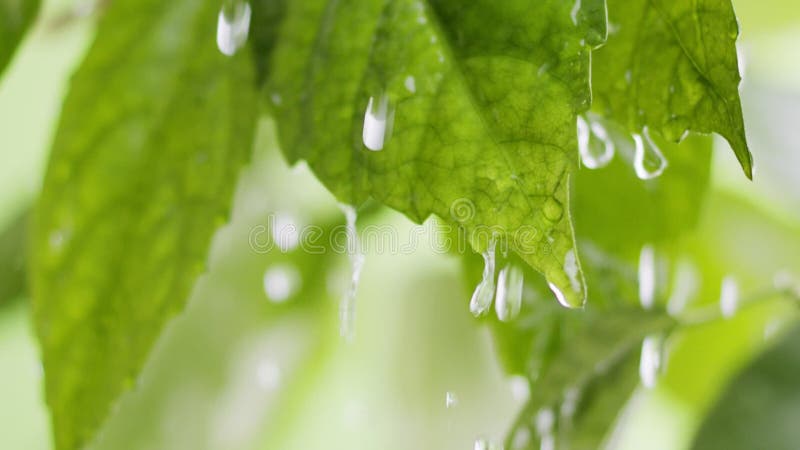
point(483, 96)
point(761, 408)
point(12, 259)
point(618, 212)
point(153, 133)
point(672, 66)
point(15, 18)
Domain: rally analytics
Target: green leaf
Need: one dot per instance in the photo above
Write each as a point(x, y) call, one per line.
point(671, 66)
point(761, 408)
point(153, 133)
point(15, 18)
point(12, 259)
point(484, 97)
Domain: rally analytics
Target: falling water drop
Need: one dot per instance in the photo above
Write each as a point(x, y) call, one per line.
point(280, 283)
point(650, 360)
point(233, 26)
point(729, 297)
point(568, 285)
point(508, 299)
point(595, 146)
point(647, 276)
point(481, 299)
point(377, 123)
point(545, 421)
point(684, 287)
point(648, 161)
point(347, 306)
point(450, 400)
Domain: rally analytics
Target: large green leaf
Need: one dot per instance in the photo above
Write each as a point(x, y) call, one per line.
point(761, 408)
point(153, 133)
point(15, 18)
point(671, 65)
point(484, 97)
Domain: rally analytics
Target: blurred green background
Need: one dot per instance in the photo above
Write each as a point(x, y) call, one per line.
point(236, 371)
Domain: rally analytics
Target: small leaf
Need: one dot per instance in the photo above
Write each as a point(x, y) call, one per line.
point(671, 65)
point(483, 96)
point(16, 16)
point(154, 130)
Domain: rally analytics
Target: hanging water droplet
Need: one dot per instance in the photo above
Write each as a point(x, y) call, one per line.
point(347, 306)
point(650, 361)
point(377, 123)
point(729, 297)
point(568, 285)
point(281, 282)
point(647, 276)
point(595, 146)
point(450, 400)
point(508, 300)
point(570, 403)
point(481, 299)
point(233, 26)
point(648, 161)
point(545, 421)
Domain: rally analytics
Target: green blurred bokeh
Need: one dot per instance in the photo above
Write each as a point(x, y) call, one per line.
point(238, 372)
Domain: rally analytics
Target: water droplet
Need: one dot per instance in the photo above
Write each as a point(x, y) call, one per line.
point(450, 400)
point(647, 276)
point(276, 99)
point(521, 439)
point(480, 444)
point(481, 299)
point(233, 26)
point(648, 161)
point(410, 84)
point(520, 389)
point(729, 297)
point(573, 14)
point(684, 287)
point(285, 231)
point(57, 239)
point(650, 361)
point(509, 292)
point(545, 421)
point(377, 123)
point(508, 300)
point(595, 146)
point(269, 375)
point(569, 290)
point(552, 209)
point(628, 76)
point(281, 282)
point(347, 306)
point(570, 403)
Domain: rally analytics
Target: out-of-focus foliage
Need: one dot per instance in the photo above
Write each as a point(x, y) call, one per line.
point(15, 18)
point(134, 190)
point(761, 408)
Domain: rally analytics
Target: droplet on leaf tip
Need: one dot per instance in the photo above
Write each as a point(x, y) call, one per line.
point(508, 299)
point(648, 161)
point(233, 26)
point(481, 299)
point(377, 123)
